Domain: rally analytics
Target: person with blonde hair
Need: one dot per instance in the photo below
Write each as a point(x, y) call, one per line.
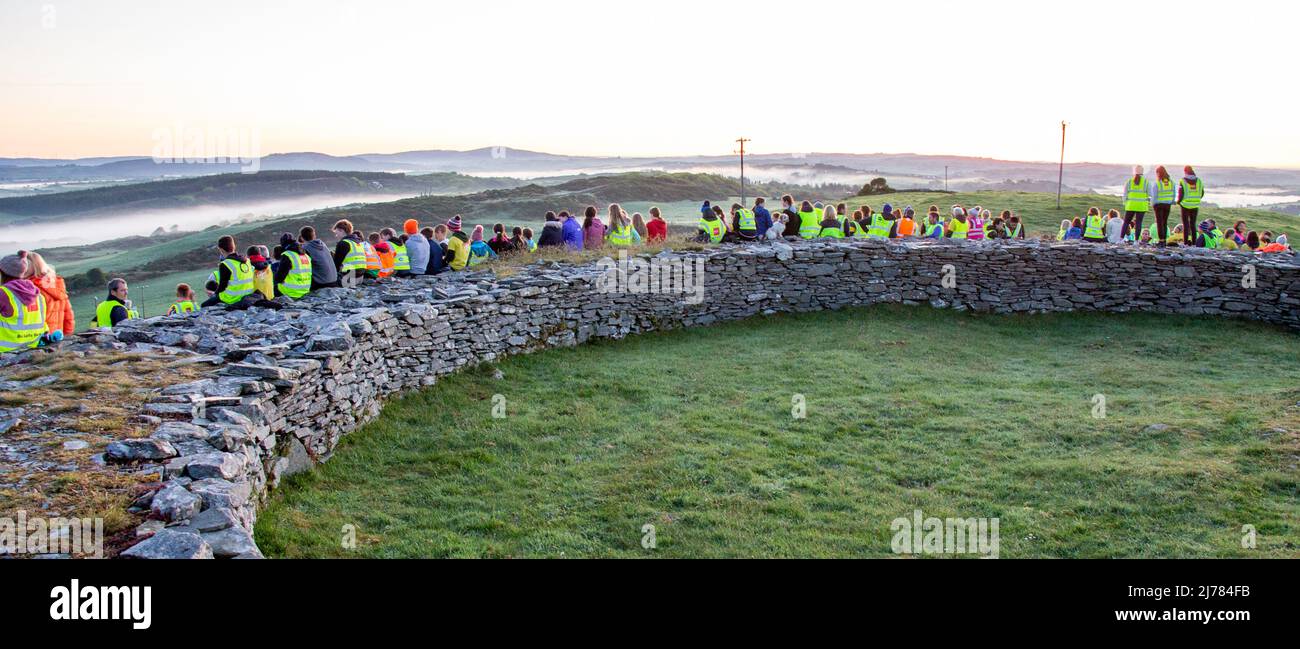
point(620, 232)
point(58, 308)
point(657, 228)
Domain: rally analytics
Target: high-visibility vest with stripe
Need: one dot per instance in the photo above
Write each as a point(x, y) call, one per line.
point(931, 228)
point(808, 225)
point(241, 281)
point(879, 227)
point(402, 260)
point(976, 231)
point(746, 220)
point(182, 306)
point(356, 257)
point(104, 313)
point(1096, 227)
point(298, 282)
point(1014, 233)
point(1192, 195)
point(372, 256)
point(1136, 198)
point(621, 236)
point(713, 228)
point(959, 229)
point(1165, 191)
point(1213, 238)
point(23, 329)
point(906, 227)
point(835, 232)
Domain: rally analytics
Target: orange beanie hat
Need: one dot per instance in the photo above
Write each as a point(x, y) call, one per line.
point(411, 226)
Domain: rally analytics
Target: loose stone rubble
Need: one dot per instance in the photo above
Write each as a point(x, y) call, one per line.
point(288, 384)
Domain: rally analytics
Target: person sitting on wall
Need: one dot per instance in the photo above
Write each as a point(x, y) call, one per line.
point(234, 281)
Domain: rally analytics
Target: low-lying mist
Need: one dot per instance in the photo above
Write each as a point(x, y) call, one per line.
point(85, 230)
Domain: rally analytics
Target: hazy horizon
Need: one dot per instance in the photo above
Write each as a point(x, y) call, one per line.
point(987, 80)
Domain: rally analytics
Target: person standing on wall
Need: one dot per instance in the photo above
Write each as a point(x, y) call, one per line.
point(1190, 192)
point(1162, 200)
point(1137, 200)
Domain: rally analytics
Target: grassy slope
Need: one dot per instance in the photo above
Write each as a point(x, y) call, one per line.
point(692, 431)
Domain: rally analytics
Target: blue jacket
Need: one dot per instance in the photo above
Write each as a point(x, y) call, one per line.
point(573, 233)
point(437, 259)
point(762, 220)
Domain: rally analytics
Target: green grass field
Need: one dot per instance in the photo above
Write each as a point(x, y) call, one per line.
point(956, 414)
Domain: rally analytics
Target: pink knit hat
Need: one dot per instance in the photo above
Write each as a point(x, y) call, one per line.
point(478, 233)
point(453, 223)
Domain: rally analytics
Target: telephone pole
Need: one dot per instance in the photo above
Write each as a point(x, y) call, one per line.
point(742, 142)
point(945, 178)
point(1060, 174)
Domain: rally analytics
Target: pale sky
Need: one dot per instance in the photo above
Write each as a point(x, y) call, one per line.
point(1207, 83)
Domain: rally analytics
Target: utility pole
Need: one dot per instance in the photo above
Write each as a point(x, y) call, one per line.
point(742, 142)
point(945, 178)
point(1060, 174)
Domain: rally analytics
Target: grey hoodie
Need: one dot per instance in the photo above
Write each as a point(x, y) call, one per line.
point(323, 270)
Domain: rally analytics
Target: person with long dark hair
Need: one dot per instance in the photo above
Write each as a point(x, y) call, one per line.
point(1162, 203)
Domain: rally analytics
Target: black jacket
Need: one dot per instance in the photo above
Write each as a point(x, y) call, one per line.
point(552, 234)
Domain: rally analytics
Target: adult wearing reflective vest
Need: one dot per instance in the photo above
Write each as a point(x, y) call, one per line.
point(293, 274)
point(1162, 201)
point(907, 225)
point(881, 223)
point(809, 223)
point(745, 225)
point(1095, 226)
point(22, 306)
point(114, 308)
point(1190, 192)
point(1137, 200)
point(711, 228)
point(234, 276)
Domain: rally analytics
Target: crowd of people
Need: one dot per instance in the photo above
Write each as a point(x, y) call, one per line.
point(1142, 195)
point(813, 220)
point(35, 310)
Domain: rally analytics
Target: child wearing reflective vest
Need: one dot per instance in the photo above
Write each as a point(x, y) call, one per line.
point(184, 302)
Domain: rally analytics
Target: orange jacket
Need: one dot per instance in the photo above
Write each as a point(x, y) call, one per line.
point(58, 310)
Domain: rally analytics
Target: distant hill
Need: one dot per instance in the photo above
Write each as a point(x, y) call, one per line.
point(235, 188)
point(922, 170)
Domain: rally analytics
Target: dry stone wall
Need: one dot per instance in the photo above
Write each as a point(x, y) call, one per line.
point(288, 384)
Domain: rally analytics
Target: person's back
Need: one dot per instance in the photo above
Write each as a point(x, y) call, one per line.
point(1115, 230)
point(458, 246)
point(417, 250)
point(573, 235)
point(323, 271)
point(593, 235)
point(58, 308)
point(552, 234)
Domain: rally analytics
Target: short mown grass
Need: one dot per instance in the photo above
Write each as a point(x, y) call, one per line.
point(906, 408)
